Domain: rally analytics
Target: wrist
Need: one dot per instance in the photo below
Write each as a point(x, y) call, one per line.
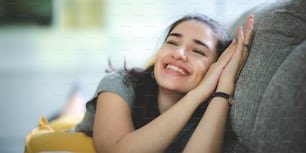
point(229, 89)
point(228, 97)
point(199, 95)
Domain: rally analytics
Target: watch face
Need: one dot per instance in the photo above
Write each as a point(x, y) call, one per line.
point(231, 100)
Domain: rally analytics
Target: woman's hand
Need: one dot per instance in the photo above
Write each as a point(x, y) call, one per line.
point(240, 51)
point(224, 72)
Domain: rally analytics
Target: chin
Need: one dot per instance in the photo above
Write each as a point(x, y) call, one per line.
point(175, 87)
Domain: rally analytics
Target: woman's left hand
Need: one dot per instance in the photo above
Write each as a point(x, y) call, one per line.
point(232, 69)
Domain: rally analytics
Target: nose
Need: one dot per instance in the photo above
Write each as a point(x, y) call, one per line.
point(180, 54)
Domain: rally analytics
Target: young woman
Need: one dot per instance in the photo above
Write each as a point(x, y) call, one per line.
point(178, 104)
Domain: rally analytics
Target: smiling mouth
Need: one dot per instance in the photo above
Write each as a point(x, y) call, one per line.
point(176, 69)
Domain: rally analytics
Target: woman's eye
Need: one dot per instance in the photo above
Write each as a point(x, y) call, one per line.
point(198, 52)
point(172, 43)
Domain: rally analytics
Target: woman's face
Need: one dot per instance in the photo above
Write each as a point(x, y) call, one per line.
point(185, 56)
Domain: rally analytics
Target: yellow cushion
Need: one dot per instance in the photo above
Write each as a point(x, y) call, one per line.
point(45, 138)
point(60, 141)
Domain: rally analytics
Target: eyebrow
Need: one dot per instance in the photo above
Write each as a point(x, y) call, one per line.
point(201, 43)
point(178, 35)
point(175, 35)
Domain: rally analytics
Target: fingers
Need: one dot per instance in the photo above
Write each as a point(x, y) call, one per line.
point(239, 53)
point(248, 37)
point(240, 39)
point(216, 69)
point(249, 30)
point(244, 42)
point(228, 52)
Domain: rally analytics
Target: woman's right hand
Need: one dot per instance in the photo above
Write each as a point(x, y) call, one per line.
point(209, 83)
point(211, 79)
point(232, 70)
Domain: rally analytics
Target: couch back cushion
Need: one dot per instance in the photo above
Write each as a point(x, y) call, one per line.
point(270, 93)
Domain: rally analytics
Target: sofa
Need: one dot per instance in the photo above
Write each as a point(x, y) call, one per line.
point(269, 114)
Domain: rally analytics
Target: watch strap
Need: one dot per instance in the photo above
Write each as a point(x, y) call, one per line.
point(226, 96)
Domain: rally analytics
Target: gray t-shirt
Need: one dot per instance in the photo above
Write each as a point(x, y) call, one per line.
point(113, 82)
point(116, 83)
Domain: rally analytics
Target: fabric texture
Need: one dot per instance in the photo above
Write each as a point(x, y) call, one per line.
point(114, 82)
point(269, 110)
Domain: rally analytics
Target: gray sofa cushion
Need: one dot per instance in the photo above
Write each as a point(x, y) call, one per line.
point(270, 110)
point(280, 123)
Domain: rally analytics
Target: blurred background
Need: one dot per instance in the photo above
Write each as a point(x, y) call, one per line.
point(48, 47)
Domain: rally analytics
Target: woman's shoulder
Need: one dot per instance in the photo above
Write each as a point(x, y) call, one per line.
point(117, 82)
point(117, 75)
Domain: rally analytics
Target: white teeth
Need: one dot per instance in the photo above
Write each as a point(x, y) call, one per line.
point(177, 69)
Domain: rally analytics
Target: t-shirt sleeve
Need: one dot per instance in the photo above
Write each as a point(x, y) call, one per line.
point(113, 82)
point(116, 83)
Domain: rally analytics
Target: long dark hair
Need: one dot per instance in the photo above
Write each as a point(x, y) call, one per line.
point(145, 107)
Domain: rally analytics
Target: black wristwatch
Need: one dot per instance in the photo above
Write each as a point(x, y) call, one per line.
point(226, 96)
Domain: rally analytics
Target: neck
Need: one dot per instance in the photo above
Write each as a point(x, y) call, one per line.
point(167, 98)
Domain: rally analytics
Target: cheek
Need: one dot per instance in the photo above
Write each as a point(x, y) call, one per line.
point(202, 68)
point(158, 61)
point(161, 53)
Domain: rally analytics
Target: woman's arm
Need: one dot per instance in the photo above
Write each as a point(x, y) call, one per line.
point(114, 131)
point(208, 136)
